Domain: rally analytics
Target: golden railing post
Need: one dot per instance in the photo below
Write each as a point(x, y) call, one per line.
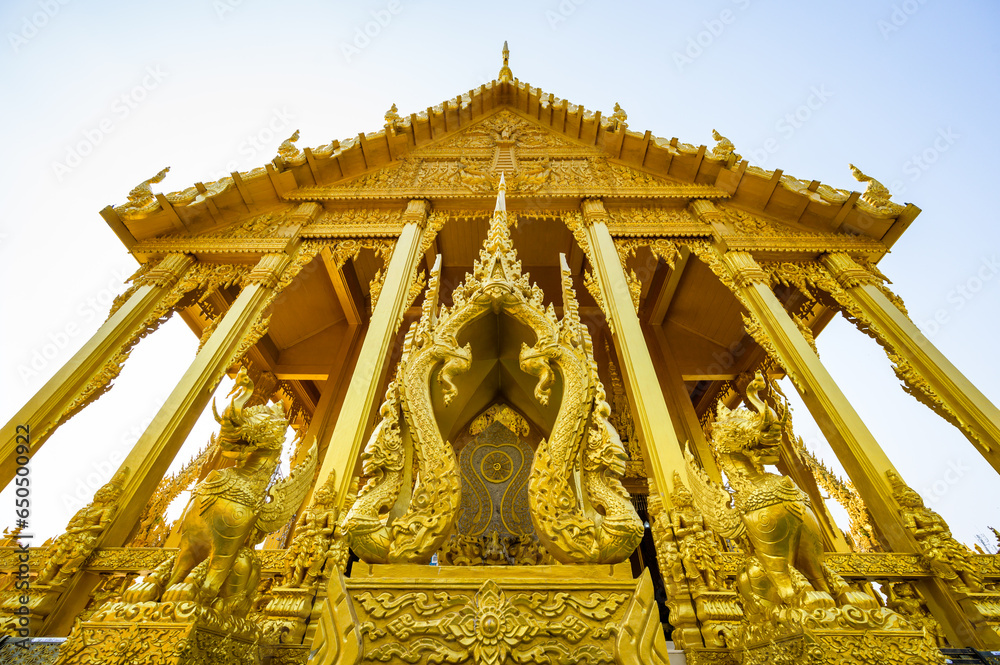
point(348, 434)
point(153, 453)
point(861, 455)
point(50, 406)
point(980, 417)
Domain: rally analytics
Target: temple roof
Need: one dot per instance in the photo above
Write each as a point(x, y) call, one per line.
point(640, 165)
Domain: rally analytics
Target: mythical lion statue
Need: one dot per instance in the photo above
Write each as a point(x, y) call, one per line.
point(231, 511)
point(785, 586)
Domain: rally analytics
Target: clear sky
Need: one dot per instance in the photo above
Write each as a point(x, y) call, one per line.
point(101, 95)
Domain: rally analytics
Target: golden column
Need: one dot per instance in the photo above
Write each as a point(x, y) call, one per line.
point(348, 434)
point(81, 377)
point(662, 449)
point(955, 391)
point(861, 455)
point(654, 423)
point(153, 453)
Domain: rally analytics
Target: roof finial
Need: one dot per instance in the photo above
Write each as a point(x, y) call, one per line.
point(505, 73)
point(498, 235)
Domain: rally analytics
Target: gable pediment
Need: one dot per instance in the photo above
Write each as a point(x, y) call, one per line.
point(535, 159)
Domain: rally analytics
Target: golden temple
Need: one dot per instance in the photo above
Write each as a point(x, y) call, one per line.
point(530, 361)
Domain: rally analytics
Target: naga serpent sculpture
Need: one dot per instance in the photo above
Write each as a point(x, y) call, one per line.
point(566, 530)
point(415, 535)
point(606, 534)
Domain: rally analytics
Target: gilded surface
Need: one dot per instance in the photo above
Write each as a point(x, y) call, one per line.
point(795, 606)
point(944, 555)
point(198, 600)
point(495, 468)
point(504, 617)
point(431, 348)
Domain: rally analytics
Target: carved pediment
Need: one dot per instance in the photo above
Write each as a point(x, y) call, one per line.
point(570, 176)
point(505, 129)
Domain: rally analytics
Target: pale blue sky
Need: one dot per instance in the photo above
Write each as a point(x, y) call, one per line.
point(195, 83)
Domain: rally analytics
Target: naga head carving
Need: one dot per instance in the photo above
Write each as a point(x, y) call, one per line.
point(246, 429)
point(604, 446)
point(457, 360)
point(754, 435)
point(384, 451)
point(537, 361)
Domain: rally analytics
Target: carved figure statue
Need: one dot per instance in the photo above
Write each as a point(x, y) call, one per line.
point(618, 118)
point(461, 550)
point(311, 548)
point(72, 548)
point(697, 547)
point(231, 511)
point(392, 117)
point(143, 192)
point(875, 193)
point(945, 555)
point(288, 150)
point(903, 598)
point(526, 550)
point(724, 147)
point(785, 584)
point(494, 552)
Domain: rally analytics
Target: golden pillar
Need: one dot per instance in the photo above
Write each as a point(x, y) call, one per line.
point(685, 418)
point(81, 378)
point(979, 417)
point(348, 435)
point(662, 449)
point(153, 453)
point(861, 455)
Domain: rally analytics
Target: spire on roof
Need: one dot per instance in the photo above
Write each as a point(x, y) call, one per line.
point(505, 73)
point(498, 236)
